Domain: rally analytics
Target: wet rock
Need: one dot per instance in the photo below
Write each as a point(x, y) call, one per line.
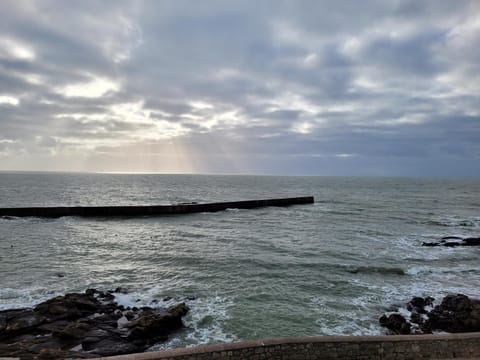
point(456, 313)
point(418, 304)
point(108, 346)
point(472, 241)
point(430, 244)
point(83, 325)
point(396, 323)
point(416, 318)
point(71, 306)
point(21, 322)
point(75, 330)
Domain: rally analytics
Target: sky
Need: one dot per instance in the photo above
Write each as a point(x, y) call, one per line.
point(362, 88)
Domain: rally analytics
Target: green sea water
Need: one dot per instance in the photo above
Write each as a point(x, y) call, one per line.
point(322, 269)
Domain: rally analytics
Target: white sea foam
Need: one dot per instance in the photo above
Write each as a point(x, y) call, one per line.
point(11, 298)
point(204, 324)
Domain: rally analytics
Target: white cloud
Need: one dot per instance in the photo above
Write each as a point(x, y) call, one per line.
point(14, 49)
point(302, 127)
point(94, 88)
point(345, 155)
point(201, 105)
point(9, 100)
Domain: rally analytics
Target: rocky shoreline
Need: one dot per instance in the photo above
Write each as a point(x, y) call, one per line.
point(455, 314)
point(92, 324)
point(85, 325)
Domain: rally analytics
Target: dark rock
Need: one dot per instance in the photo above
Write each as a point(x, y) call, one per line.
point(456, 313)
point(472, 241)
point(3, 323)
point(417, 304)
point(48, 354)
point(76, 330)
point(55, 326)
point(111, 346)
point(178, 310)
point(167, 298)
point(430, 244)
point(129, 314)
point(451, 244)
point(83, 326)
point(91, 292)
point(23, 322)
point(396, 323)
point(71, 306)
point(191, 298)
point(416, 318)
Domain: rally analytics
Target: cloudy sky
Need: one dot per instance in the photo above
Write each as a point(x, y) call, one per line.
point(269, 87)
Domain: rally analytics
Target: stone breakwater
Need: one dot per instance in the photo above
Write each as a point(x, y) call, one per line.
point(455, 314)
point(85, 325)
point(149, 210)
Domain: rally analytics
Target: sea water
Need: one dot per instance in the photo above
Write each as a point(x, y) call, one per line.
point(326, 268)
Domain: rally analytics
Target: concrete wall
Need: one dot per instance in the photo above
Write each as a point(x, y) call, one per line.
point(446, 346)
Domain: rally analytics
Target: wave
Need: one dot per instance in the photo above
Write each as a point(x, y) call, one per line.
point(26, 219)
point(204, 324)
point(454, 222)
point(376, 270)
point(424, 270)
point(327, 267)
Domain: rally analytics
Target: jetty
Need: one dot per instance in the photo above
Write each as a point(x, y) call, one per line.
point(148, 210)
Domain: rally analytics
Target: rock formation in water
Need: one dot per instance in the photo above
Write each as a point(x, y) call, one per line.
point(456, 313)
point(84, 325)
point(454, 241)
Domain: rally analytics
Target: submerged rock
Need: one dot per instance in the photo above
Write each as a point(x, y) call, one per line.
point(456, 313)
point(84, 325)
point(472, 241)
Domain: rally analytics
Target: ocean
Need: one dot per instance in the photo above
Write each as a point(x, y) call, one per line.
point(328, 268)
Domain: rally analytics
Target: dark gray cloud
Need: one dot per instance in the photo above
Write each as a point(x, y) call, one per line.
point(292, 87)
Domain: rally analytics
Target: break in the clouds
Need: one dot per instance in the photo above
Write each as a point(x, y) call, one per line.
point(289, 87)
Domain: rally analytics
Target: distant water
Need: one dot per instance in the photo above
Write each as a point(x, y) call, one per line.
point(327, 268)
